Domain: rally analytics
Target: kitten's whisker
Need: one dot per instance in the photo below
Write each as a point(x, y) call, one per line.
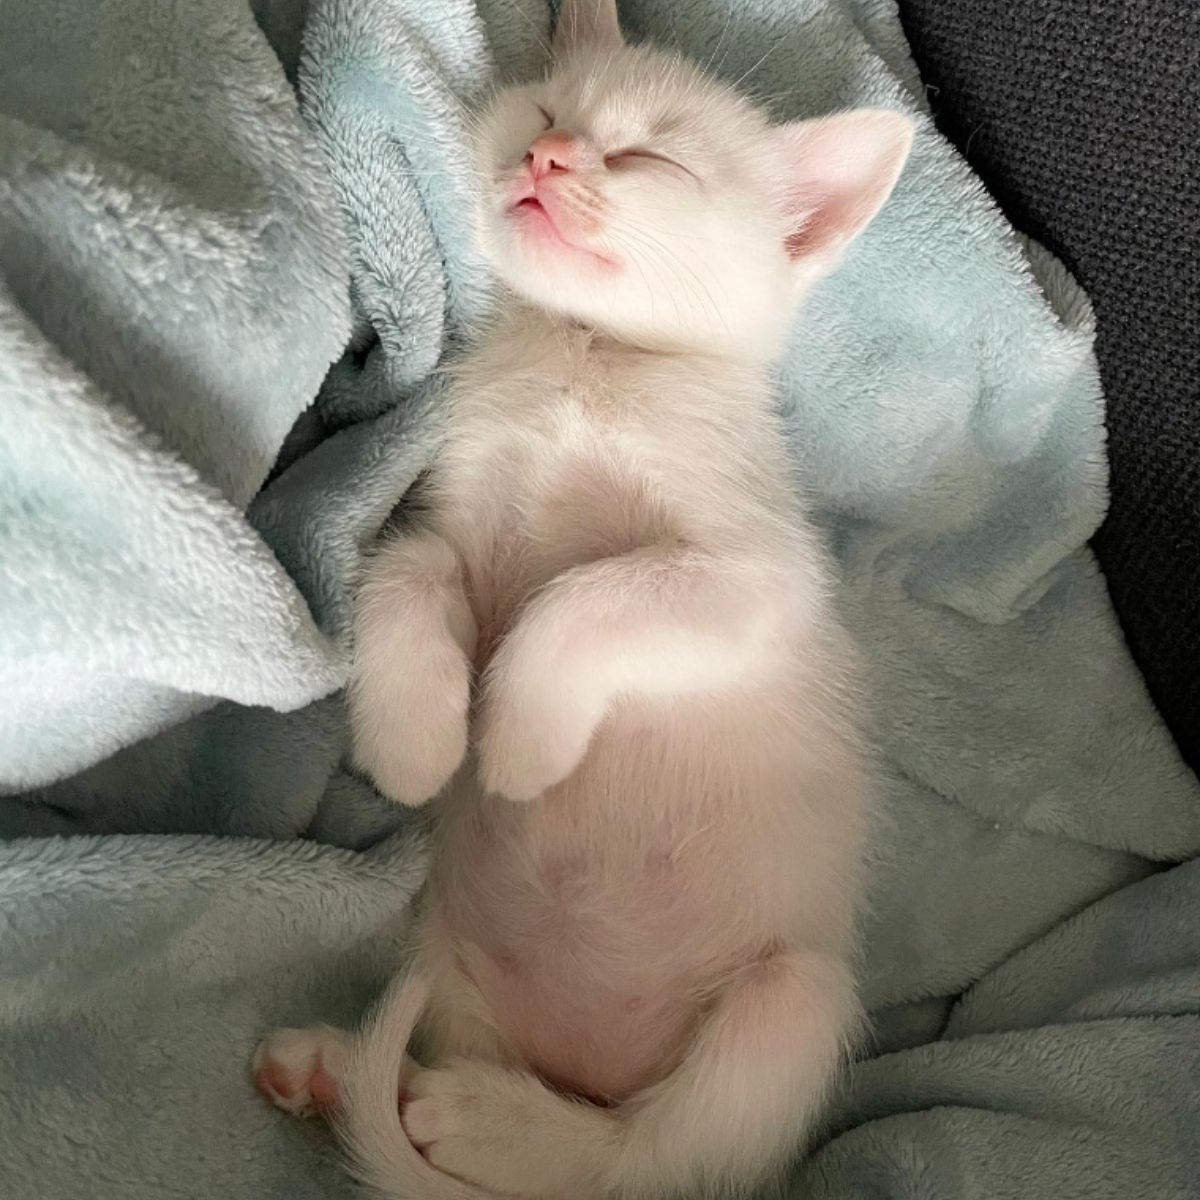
point(673, 263)
point(529, 22)
point(737, 83)
point(708, 66)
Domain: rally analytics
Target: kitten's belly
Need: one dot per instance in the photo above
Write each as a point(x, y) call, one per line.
point(591, 965)
point(599, 1039)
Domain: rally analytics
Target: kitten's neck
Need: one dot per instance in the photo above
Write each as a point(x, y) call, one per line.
point(520, 317)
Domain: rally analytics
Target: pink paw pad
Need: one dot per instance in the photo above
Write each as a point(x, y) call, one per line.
point(323, 1089)
point(274, 1082)
point(296, 1070)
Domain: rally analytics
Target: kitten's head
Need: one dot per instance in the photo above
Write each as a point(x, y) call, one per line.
point(632, 192)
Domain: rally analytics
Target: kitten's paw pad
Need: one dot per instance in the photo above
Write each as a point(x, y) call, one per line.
point(298, 1069)
point(522, 756)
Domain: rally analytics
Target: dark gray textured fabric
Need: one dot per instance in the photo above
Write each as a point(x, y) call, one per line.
point(1083, 119)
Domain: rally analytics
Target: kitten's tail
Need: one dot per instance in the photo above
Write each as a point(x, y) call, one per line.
point(368, 1122)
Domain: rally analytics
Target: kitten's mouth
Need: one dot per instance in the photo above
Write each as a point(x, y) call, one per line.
point(534, 204)
point(533, 213)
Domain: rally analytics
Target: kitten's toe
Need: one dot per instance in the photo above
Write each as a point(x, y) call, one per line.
point(451, 1119)
point(432, 1111)
point(298, 1069)
point(503, 1131)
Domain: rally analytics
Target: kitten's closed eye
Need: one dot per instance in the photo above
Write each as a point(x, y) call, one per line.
point(547, 117)
point(632, 156)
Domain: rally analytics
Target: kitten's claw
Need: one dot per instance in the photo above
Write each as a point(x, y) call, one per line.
point(298, 1069)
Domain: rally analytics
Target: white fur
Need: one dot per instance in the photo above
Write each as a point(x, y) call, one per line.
point(633, 972)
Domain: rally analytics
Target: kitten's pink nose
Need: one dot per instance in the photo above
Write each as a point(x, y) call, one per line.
point(555, 150)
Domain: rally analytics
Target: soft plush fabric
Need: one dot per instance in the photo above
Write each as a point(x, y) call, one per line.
point(177, 275)
point(1098, 162)
point(172, 290)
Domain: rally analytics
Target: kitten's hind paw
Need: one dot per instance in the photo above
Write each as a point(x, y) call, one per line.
point(504, 1131)
point(299, 1070)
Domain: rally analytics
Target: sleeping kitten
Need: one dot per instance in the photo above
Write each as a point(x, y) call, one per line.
point(632, 975)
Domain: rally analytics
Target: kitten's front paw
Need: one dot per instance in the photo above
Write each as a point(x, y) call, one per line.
point(526, 748)
point(298, 1069)
point(414, 768)
point(410, 732)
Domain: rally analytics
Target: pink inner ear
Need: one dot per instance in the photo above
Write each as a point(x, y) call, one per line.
point(826, 223)
point(842, 170)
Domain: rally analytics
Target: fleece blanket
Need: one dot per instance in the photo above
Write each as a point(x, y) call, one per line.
point(232, 250)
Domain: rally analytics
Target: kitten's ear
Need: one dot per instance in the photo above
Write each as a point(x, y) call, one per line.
point(586, 25)
point(842, 169)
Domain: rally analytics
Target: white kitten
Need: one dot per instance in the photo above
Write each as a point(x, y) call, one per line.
point(633, 970)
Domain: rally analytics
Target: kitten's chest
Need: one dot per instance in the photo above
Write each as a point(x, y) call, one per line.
point(558, 478)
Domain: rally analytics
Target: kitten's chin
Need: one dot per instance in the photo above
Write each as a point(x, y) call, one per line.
point(532, 233)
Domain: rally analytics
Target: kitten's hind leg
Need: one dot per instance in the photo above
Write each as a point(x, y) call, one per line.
point(662, 621)
point(736, 1108)
point(740, 1104)
point(414, 639)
